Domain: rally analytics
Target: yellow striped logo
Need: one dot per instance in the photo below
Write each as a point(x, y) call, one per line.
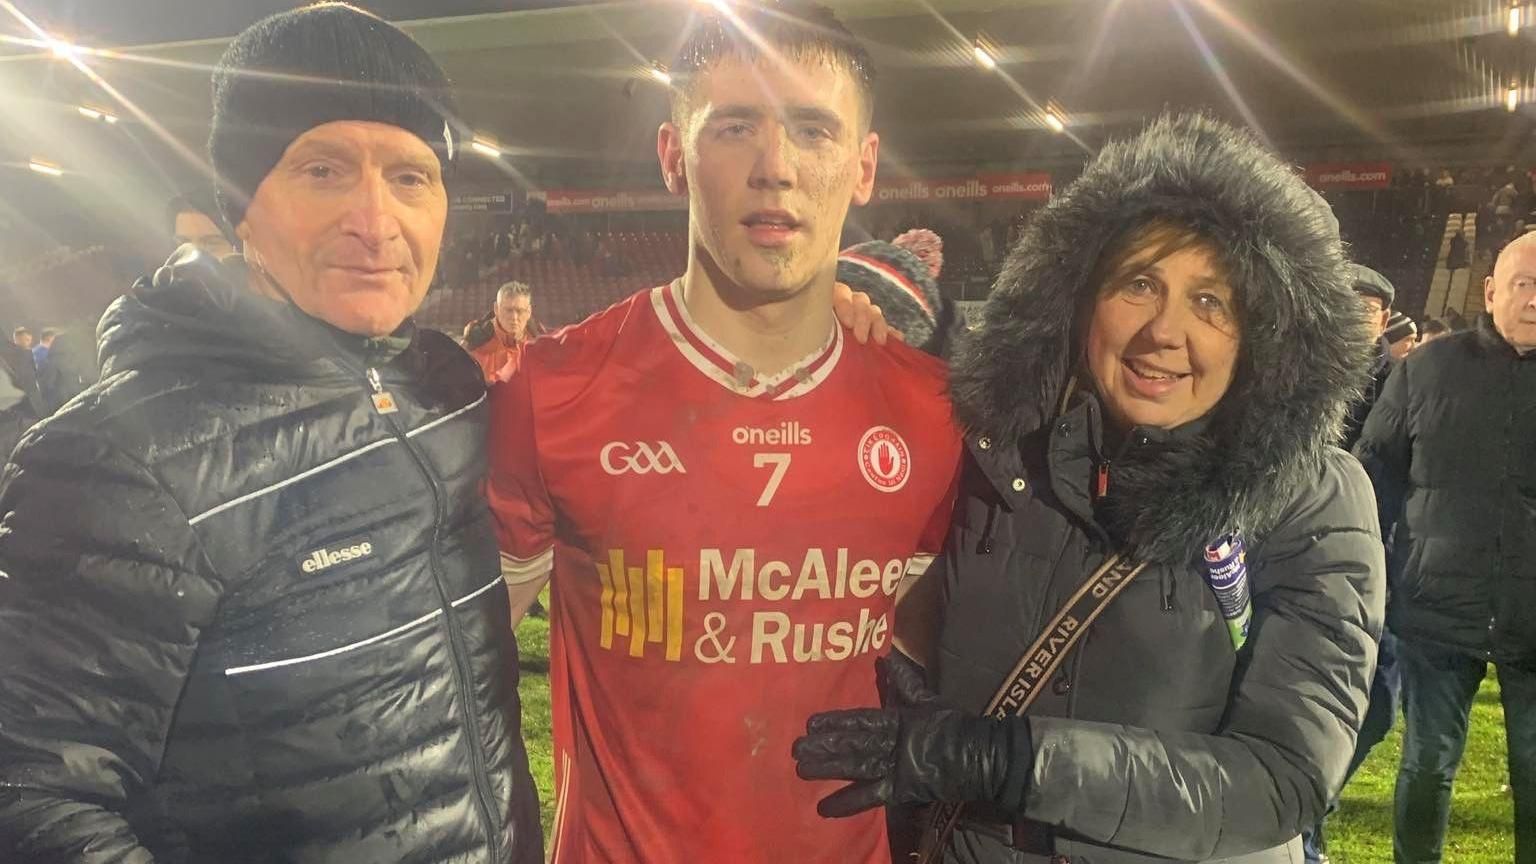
point(642, 603)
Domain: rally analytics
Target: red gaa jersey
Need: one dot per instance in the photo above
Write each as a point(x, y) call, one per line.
point(726, 550)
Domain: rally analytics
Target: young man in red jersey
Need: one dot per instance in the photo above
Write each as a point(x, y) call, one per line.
point(728, 492)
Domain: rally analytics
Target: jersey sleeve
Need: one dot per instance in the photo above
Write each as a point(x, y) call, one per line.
point(520, 502)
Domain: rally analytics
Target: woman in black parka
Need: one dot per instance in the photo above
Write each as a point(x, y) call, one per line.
point(1165, 363)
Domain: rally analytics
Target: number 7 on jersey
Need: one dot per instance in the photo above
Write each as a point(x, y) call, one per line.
point(780, 463)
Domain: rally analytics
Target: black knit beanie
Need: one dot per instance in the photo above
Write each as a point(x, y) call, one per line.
point(289, 73)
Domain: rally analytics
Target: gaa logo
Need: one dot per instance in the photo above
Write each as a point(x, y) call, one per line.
point(618, 458)
point(884, 459)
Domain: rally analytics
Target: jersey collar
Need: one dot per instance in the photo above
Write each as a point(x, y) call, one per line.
point(729, 371)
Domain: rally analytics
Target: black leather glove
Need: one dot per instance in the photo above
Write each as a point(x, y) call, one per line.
point(914, 755)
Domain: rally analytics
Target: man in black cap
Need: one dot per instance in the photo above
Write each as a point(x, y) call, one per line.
point(1377, 295)
point(250, 601)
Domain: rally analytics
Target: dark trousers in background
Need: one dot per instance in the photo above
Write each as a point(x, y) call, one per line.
point(1438, 688)
point(1380, 714)
point(14, 423)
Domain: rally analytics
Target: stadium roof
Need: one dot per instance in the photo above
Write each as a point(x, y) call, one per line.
point(563, 88)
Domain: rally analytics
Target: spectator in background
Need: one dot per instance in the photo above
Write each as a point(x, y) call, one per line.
point(1451, 449)
point(1377, 294)
point(1445, 180)
point(1503, 204)
point(1456, 257)
point(44, 342)
point(607, 261)
point(1401, 335)
point(22, 338)
point(986, 244)
point(70, 366)
point(496, 341)
point(192, 220)
point(20, 404)
point(1433, 329)
point(581, 247)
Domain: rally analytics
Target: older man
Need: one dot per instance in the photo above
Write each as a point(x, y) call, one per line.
point(1451, 447)
point(497, 344)
point(250, 601)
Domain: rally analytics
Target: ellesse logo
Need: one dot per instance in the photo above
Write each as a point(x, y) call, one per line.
point(619, 457)
point(321, 560)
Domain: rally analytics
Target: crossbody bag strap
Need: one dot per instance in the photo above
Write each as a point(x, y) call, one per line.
point(1040, 661)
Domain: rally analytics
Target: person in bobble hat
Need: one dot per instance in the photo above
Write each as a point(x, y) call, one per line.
point(251, 606)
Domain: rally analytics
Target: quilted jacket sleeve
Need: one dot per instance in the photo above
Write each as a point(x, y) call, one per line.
point(1294, 707)
point(103, 594)
point(1385, 449)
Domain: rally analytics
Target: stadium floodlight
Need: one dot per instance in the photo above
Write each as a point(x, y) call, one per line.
point(42, 167)
point(1053, 120)
point(1514, 20)
point(485, 148)
point(96, 113)
point(1512, 98)
point(659, 72)
point(984, 58)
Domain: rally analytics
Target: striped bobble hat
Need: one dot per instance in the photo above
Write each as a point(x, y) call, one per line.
point(1399, 327)
point(901, 277)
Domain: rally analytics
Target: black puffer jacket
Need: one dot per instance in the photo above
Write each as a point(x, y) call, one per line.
point(1157, 739)
point(1451, 447)
point(249, 617)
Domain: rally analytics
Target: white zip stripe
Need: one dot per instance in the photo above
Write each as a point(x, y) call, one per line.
point(477, 592)
point(325, 466)
point(241, 670)
point(918, 565)
point(445, 418)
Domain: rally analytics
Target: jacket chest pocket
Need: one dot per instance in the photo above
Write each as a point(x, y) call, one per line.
point(986, 529)
point(1148, 664)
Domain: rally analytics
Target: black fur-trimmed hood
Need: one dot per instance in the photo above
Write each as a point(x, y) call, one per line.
point(1305, 352)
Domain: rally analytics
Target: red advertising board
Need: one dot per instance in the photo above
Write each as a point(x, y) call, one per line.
point(1029, 186)
point(1349, 175)
point(611, 200)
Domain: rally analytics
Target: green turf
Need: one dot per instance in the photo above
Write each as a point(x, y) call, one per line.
point(1482, 813)
point(1482, 817)
point(533, 660)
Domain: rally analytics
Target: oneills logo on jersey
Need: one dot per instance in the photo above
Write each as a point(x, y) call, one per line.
point(789, 433)
point(884, 459)
point(644, 604)
point(619, 457)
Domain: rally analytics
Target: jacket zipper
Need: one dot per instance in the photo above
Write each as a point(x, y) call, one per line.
point(384, 404)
